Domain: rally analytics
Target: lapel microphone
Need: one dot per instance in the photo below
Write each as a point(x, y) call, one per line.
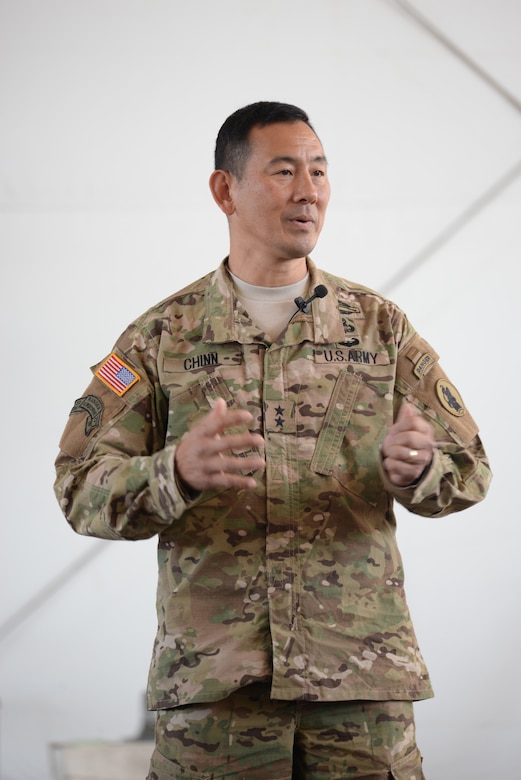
point(320, 291)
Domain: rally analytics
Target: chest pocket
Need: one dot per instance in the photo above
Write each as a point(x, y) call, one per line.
point(190, 405)
point(354, 425)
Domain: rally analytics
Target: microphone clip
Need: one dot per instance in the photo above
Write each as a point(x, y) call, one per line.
point(320, 291)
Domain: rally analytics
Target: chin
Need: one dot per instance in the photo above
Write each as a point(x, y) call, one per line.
point(301, 249)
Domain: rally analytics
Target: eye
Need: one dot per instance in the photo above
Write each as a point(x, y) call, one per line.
point(285, 172)
point(319, 173)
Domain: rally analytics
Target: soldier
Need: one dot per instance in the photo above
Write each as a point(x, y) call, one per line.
point(261, 422)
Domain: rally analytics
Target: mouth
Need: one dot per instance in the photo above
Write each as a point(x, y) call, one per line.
point(302, 220)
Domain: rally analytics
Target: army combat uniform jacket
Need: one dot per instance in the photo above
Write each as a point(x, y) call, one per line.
point(300, 580)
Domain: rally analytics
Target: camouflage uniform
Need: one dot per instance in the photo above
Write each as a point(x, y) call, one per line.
point(299, 581)
point(250, 736)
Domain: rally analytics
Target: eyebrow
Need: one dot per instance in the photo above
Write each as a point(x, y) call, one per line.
point(320, 158)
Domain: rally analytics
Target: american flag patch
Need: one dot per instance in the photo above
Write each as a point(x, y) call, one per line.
point(117, 375)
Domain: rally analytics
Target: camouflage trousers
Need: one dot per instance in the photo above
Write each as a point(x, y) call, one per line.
point(249, 736)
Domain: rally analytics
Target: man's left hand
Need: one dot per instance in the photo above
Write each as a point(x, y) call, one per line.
point(408, 447)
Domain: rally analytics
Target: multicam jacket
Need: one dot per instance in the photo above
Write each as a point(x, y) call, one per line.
point(299, 581)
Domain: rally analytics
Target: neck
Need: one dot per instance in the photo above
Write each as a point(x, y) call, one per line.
point(278, 273)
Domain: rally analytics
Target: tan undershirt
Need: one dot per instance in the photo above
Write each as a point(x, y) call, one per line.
point(270, 308)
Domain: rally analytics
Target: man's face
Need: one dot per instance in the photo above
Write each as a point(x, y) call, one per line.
point(280, 201)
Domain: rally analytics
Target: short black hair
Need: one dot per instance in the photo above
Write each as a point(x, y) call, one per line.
point(232, 146)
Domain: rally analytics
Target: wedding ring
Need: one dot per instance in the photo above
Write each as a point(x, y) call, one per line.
point(413, 454)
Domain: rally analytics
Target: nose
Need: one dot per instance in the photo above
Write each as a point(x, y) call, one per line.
point(305, 188)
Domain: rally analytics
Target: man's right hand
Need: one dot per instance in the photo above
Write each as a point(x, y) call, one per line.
point(205, 456)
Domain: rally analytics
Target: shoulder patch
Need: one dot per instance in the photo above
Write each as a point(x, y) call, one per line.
point(92, 406)
point(449, 398)
point(117, 375)
point(423, 361)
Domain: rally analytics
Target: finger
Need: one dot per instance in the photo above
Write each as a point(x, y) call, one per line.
point(416, 457)
point(231, 464)
point(401, 443)
point(407, 411)
point(232, 454)
point(220, 418)
point(407, 416)
point(235, 443)
point(410, 449)
point(224, 479)
point(231, 470)
point(401, 473)
point(410, 421)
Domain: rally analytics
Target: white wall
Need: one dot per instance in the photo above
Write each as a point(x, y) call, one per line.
point(108, 114)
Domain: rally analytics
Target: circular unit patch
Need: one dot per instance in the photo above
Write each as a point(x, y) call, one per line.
point(449, 398)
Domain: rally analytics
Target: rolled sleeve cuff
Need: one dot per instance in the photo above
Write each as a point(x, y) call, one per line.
point(427, 484)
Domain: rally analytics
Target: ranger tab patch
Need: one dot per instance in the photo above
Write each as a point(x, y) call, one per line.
point(92, 406)
point(117, 375)
point(424, 365)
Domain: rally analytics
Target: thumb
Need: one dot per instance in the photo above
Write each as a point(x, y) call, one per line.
point(407, 412)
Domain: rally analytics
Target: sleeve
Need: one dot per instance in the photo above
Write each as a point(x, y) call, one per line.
point(459, 474)
point(114, 477)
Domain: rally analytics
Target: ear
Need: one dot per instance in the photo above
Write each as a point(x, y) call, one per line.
point(221, 189)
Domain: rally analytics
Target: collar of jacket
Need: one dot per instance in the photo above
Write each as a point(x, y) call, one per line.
point(226, 321)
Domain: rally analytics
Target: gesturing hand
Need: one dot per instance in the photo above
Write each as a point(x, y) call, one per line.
point(407, 449)
point(204, 457)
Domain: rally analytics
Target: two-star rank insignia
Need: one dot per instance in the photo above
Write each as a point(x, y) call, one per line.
point(279, 419)
point(279, 416)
